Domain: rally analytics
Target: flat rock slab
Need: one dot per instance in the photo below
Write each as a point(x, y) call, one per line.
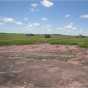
point(33, 67)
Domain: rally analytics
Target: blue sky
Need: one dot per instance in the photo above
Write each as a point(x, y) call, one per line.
point(44, 16)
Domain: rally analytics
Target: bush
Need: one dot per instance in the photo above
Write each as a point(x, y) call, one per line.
point(29, 34)
point(82, 36)
point(47, 36)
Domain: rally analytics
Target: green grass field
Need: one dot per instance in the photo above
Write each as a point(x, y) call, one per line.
point(23, 39)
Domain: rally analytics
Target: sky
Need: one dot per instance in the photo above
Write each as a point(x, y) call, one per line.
point(69, 17)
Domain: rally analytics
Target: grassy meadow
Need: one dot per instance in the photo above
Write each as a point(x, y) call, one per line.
point(23, 39)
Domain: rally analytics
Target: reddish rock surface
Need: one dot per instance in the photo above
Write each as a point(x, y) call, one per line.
point(43, 66)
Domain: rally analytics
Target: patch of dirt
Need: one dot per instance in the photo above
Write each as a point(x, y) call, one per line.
point(43, 66)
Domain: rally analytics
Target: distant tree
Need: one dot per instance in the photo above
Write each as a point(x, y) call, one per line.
point(47, 36)
point(82, 36)
point(29, 34)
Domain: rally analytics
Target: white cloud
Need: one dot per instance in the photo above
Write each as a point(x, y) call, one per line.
point(59, 28)
point(36, 24)
point(74, 28)
point(34, 10)
point(47, 3)
point(85, 16)
point(67, 15)
point(44, 19)
point(26, 19)
point(49, 25)
point(34, 7)
point(70, 26)
point(69, 29)
point(29, 25)
point(1, 23)
point(19, 23)
point(9, 20)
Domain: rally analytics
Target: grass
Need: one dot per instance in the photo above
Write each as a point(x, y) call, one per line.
point(82, 42)
point(22, 39)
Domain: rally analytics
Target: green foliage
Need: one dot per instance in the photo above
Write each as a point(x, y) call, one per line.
point(82, 36)
point(14, 42)
point(22, 39)
point(29, 34)
point(82, 42)
point(63, 41)
point(47, 36)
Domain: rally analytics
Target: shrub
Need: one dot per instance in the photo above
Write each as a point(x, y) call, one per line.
point(47, 36)
point(82, 36)
point(29, 34)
